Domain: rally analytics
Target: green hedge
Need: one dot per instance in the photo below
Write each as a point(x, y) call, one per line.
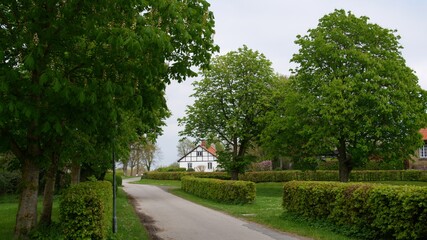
point(291, 175)
point(109, 177)
point(179, 175)
point(86, 210)
point(370, 211)
point(327, 175)
point(220, 190)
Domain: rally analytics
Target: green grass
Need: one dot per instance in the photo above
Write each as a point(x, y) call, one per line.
point(128, 223)
point(167, 183)
point(8, 209)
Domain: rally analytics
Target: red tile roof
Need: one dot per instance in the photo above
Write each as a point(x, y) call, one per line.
point(423, 132)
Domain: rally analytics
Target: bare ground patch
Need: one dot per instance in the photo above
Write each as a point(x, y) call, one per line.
point(146, 220)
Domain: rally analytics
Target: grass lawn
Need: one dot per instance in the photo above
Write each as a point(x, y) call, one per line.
point(128, 223)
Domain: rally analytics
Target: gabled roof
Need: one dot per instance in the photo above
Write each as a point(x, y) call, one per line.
point(211, 150)
point(423, 132)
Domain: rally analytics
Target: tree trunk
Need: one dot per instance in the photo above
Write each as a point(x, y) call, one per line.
point(234, 175)
point(26, 218)
point(125, 168)
point(75, 172)
point(49, 189)
point(344, 162)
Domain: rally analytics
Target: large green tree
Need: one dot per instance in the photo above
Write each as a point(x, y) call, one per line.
point(351, 93)
point(229, 100)
point(75, 66)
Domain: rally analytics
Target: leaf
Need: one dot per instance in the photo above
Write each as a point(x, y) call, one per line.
point(29, 62)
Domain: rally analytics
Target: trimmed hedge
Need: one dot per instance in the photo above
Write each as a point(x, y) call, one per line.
point(109, 177)
point(370, 211)
point(291, 175)
point(179, 175)
point(86, 210)
point(237, 192)
point(327, 175)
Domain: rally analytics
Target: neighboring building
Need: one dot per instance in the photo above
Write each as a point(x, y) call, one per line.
point(421, 156)
point(201, 158)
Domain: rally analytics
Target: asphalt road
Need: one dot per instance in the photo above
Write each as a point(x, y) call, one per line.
point(174, 218)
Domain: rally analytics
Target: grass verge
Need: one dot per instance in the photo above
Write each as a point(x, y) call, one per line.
point(128, 223)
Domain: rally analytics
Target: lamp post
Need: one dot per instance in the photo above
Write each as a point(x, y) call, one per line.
point(114, 191)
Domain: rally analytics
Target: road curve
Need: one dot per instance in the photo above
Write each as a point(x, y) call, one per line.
point(178, 219)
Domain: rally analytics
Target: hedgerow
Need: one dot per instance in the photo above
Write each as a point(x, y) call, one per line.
point(330, 175)
point(237, 192)
point(86, 210)
point(179, 175)
point(372, 211)
point(297, 175)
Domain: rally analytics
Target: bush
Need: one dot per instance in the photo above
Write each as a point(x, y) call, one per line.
point(170, 169)
point(326, 175)
point(179, 175)
point(86, 210)
point(371, 211)
point(9, 181)
point(109, 177)
point(289, 175)
point(220, 190)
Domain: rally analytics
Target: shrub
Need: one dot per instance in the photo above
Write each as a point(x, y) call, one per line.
point(86, 210)
point(289, 175)
point(260, 166)
point(9, 181)
point(326, 175)
point(109, 177)
point(179, 175)
point(220, 190)
point(170, 169)
point(328, 165)
point(372, 211)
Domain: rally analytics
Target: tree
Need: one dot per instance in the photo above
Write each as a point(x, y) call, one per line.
point(229, 100)
point(143, 154)
point(184, 146)
point(352, 93)
point(74, 67)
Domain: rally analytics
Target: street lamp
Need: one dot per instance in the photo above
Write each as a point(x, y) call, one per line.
point(114, 191)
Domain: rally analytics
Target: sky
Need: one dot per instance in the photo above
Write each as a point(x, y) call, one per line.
point(271, 27)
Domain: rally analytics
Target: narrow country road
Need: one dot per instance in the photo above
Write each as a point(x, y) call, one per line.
point(178, 219)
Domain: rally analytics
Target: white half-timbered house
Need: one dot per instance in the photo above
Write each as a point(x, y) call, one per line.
point(201, 158)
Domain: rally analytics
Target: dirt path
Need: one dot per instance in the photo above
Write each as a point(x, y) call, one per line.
point(169, 217)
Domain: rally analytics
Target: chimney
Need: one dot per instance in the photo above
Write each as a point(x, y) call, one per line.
point(203, 143)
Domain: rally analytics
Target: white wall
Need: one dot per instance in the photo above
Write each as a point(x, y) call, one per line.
point(199, 157)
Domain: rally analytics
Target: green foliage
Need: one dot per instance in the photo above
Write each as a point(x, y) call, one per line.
point(333, 175)
point(77, 77)
point(369, 165)
point(179, 175)
point(109, 177)
point(229, 102)
point(9, 181)
point(170, 169)
point(350, 92)
point(86, 210)
point(367, 210)
point(237, 192)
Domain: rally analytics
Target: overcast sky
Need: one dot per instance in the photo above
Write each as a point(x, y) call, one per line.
point(271, 27)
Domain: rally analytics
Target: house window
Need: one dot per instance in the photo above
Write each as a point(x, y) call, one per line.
point(199, 153)
point(190, 165)
point(209, 165)
point(423, 151)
